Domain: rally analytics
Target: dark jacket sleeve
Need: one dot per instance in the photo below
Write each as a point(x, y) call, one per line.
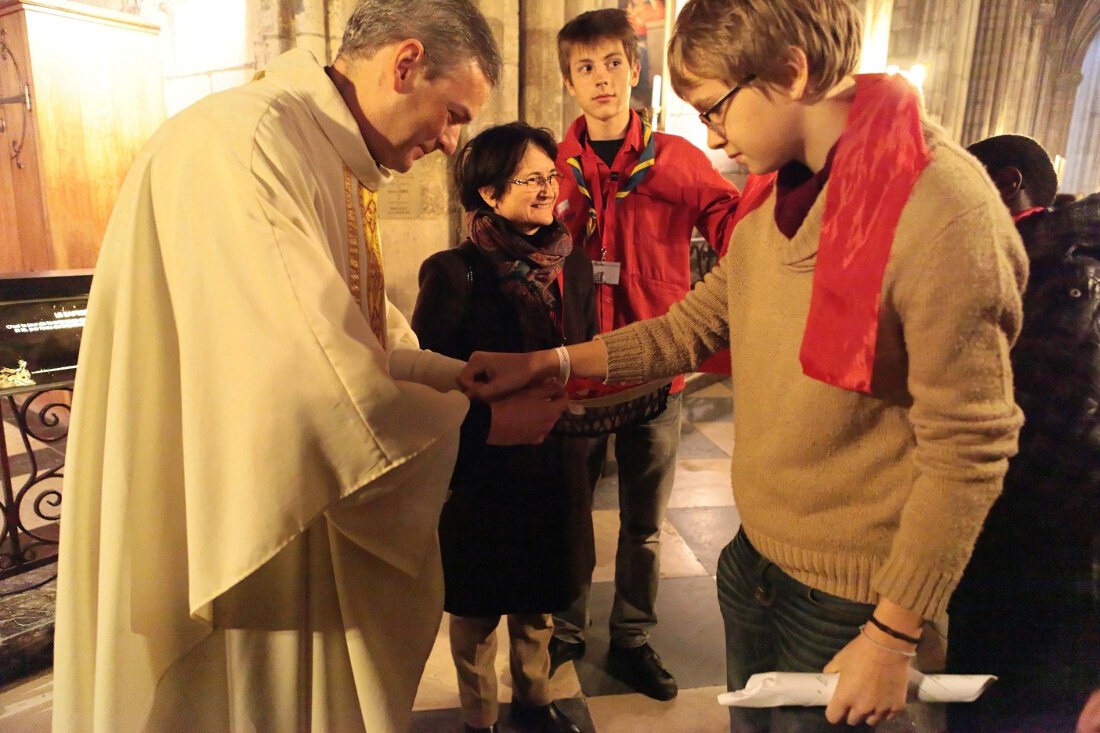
point(580, 298)
point(442, 305)
point(439, 316)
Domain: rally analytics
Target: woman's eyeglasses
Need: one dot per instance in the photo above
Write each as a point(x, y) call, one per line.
point(708, 117)
point(538, 182)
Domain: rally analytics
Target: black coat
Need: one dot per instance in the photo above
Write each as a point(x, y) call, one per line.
point(1022, 609)
point(516, 532)
point(1052, 489)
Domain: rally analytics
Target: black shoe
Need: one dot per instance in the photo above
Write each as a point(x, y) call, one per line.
point(542, 719)
point(641, 668)
point(562, 652)
point(470, 729)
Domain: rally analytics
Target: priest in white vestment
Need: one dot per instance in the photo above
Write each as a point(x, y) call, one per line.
point(259, 450)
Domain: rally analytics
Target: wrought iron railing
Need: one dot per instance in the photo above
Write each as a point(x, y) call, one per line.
point(32, 509)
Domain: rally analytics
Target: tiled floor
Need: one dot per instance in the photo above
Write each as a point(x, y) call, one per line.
point(701, 519)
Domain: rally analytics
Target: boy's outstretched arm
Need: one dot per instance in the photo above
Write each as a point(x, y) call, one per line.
point(489, 376)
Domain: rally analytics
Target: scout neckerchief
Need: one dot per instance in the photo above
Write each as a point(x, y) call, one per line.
point(879, 157)
point(376, 284)
point(641, 169)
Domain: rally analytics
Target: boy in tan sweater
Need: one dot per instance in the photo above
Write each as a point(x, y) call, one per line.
point(869, 299)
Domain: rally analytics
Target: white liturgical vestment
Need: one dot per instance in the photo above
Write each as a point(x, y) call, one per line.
point(254, 482)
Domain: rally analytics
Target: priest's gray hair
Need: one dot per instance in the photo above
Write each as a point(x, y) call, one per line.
point(453, 32)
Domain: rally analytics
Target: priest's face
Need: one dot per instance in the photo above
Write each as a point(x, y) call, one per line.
point(402, 113)
point(428, 115)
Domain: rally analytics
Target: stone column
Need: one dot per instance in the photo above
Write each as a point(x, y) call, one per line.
point(275, 29)
point(503, 104)
point(876, 33)
point(983, 73)
point(309, 21)
point(946, 47)
point(338, 13)
point(1023, 116)
point(1017, 111)
point(1063, 95)
point(1006, 65)
point(541, 90)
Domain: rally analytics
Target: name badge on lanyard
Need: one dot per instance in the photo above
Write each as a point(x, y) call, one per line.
point(605, 272)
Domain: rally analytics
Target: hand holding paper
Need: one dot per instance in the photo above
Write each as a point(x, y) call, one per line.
point(771, 689)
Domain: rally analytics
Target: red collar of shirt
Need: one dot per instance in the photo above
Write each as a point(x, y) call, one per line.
point(1017, 218)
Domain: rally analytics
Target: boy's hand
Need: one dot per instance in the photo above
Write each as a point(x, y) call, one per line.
point(489, 376)
point(873, 683)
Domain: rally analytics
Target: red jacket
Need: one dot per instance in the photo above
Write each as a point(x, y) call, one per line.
point(649, 231)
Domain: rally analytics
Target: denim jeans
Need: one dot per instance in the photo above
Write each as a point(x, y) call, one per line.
point(646, 455)
point(775, 623)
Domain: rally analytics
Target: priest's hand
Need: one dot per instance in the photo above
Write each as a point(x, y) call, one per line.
point(1089, 722)
point(526, 417)
point(489, 376)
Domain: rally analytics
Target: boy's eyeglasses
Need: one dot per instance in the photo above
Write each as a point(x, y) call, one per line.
point(538, 182)
point(707, 117)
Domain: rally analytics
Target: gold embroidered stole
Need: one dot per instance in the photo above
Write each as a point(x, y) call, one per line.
point(375, 280)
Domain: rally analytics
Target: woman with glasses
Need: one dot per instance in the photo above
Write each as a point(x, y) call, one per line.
point(516, 532)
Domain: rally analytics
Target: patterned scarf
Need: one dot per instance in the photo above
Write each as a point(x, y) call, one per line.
point(642, 169)
point(525, 269)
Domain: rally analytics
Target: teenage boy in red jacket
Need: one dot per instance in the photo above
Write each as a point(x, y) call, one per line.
point(632, 197)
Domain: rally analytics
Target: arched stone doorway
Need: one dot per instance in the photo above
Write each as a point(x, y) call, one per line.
point(1082, 168)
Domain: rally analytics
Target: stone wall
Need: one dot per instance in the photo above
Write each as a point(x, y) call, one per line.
point(1008, 66)
point(940, 35)
point(993, 66)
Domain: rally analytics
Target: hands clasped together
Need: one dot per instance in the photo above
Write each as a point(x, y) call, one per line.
point(525, 397)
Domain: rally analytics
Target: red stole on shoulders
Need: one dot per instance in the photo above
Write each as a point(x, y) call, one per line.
point(879, 157)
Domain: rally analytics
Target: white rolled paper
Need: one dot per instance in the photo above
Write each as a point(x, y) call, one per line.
point(770, 689)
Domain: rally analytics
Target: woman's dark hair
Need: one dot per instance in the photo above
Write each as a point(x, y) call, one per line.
point(490, 159)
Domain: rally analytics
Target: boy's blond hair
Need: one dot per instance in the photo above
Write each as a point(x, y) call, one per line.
point(589, 28)
point(734, 39)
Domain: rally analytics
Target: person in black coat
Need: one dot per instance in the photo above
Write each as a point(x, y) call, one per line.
point(1024, 610)
point(516, 532)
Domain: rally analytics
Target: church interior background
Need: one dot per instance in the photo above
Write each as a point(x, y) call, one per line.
point(985, 67)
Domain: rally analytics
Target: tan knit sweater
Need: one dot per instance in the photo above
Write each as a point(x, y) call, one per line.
point(864, 495)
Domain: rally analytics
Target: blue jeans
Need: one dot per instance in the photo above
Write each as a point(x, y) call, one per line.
point(646, 455)
point(775, 623)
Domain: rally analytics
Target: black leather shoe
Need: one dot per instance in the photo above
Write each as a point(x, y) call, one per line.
point(641, 668)
point(562, 652)
point(542, 719)
point(470, 729)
